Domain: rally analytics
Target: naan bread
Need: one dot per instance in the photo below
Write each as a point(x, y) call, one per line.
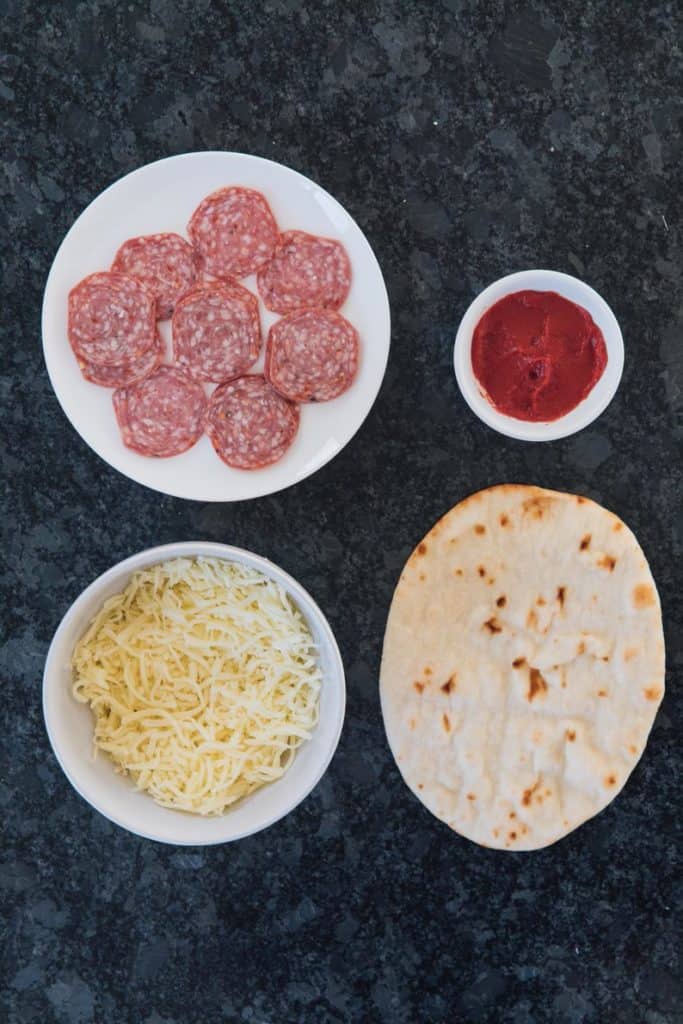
point(523, 665)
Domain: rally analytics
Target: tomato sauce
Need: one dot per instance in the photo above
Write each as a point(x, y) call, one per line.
point(536, 355)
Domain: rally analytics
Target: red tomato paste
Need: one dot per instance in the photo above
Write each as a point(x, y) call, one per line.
point(537, 355)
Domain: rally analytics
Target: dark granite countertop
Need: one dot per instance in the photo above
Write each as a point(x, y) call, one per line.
point(469, 139)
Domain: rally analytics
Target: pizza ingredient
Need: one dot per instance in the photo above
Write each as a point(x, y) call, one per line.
point(166, 264)
point(217, 332)
point(312, 356)
point(523, 665)
point(249, 424)
point(203, 681)
point(305, 271)
point(112, 319)
point(162, 415)
point(127, 373)
point(536, 355)
point(234, 232)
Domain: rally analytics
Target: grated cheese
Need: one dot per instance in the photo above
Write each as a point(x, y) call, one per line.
point(203, 680)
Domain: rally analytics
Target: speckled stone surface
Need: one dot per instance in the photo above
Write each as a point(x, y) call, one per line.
point(468, 140)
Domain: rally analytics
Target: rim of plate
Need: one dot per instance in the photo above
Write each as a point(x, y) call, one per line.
point(151, 556)
point(595, 402)
point(381, 319)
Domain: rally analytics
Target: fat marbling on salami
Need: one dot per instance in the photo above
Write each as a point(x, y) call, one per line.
point(217, 332)
point(127, 373)
point(249, 424)
point(166, 263)
point(112, 319)
point(162, 415)
point(234, 232)
point(305, 271)
point(312, 356)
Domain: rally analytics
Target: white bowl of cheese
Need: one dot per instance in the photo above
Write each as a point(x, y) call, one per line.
point(71, 723)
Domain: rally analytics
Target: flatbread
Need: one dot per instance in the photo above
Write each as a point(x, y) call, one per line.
point(523, 665)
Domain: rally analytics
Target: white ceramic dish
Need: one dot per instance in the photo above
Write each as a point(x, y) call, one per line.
point(161, 197)
point(593, 404)
point(70, 724)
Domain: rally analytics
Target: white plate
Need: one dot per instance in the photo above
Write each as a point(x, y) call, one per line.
point(162, 197)
point(70, 724)
point(595, 402)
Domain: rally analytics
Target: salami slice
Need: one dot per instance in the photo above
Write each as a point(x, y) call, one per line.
point(249, 424)
point(162, 415)
point(166, 263)
point(234, 232)
point(217, 332)
point(312, 356)
point(112, 319)
point(128, 373)
point(305, 271)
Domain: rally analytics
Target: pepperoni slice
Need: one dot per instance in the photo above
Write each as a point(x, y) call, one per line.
point(128, 373)
point(234, 232)
point(163, 415)
point(312, 356)
point(249, 424)
point(166, 263)
point(305, 271)
point(217, 332)
point(112, 319)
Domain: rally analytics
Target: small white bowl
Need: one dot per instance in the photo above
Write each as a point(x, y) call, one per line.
point(592, 405)
point(70, 724)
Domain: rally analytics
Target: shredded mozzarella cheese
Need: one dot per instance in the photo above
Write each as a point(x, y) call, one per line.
point(203, 680)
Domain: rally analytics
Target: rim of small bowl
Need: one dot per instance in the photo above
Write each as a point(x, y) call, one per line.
point(151, 556)
point(597, 400)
